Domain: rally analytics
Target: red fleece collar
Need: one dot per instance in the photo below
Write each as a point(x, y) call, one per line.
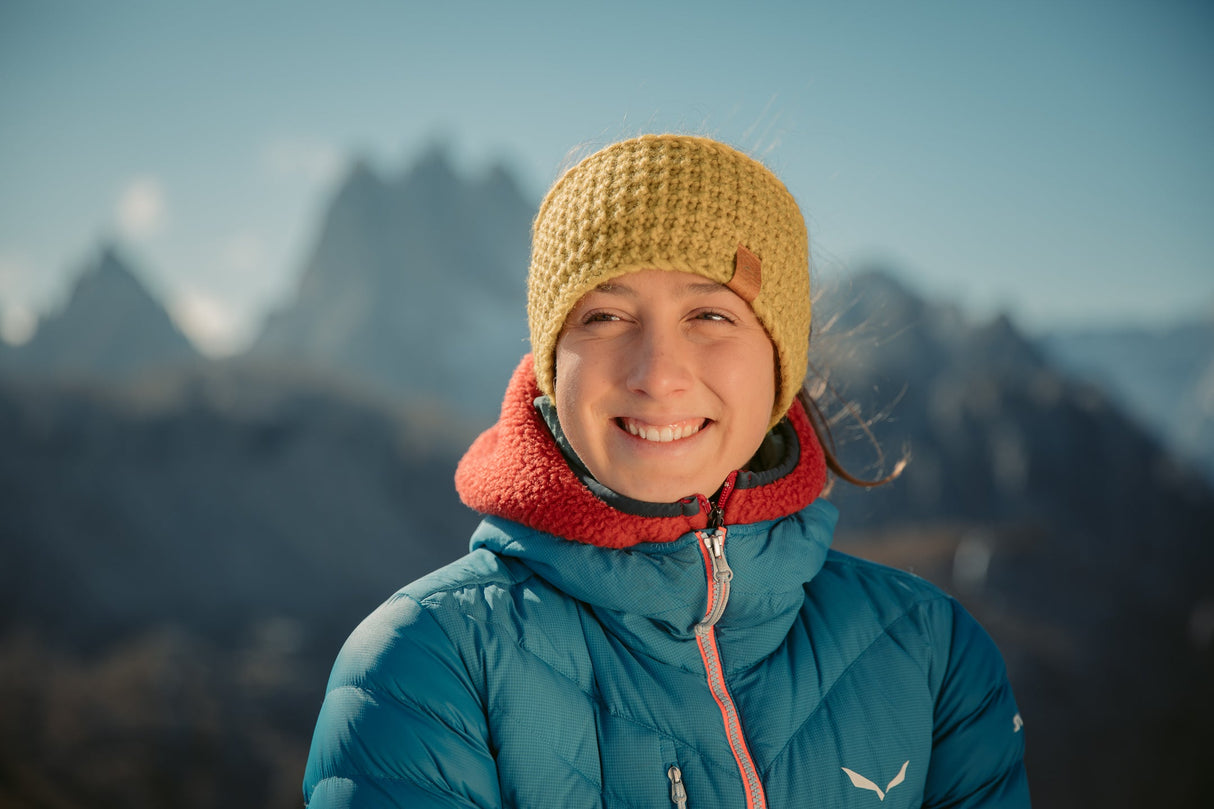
point(515, 470)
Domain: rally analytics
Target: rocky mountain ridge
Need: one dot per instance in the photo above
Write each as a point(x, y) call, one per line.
point(1164, 377)
point(416, 283)
point(111, 327)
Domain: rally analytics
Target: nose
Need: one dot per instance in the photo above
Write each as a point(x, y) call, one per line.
point(662, 362)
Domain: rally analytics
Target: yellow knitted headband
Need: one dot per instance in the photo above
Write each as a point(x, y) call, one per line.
point(673, 202)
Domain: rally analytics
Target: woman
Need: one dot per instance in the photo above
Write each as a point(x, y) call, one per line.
point(650, 614)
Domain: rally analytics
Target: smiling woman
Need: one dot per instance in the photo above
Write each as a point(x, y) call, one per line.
point(650, 614)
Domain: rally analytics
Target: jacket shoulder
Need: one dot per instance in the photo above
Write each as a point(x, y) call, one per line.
point(461, 582)
point(452, 608)
point(978, 743)
point(411, 687)
point(890, 594)
point(895, 603)
point(402, 699)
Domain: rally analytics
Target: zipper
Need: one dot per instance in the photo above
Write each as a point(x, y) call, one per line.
point(716, 567)
point(712, 546)
point(716, 511)
point(678, 793)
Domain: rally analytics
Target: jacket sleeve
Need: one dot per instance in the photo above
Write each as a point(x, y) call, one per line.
point(978, 737)
point(402, 723)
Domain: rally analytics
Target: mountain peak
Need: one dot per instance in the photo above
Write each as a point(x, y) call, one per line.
point(108, 279)
point(111, 326)
point(433, 166)
point(361, 182)
point(869, 297)
point(386, 263)
point(501, 185)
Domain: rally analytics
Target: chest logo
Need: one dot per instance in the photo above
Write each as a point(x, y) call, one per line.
point(860, 782)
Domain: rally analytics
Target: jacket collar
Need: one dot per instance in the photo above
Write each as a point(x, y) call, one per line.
point(516, 469)
point(652, 595)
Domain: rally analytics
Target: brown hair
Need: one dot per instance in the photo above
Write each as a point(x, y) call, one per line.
point(822, 429)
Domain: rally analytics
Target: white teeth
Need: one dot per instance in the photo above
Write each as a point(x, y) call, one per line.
point(662, 435)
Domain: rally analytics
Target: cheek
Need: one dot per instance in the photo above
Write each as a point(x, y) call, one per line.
point(583, 374)
point(565, 371)
point(570, 395)
point(757, 373)
point(760, 401)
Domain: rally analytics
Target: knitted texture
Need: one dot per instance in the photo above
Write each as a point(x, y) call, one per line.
point(671, 202)
point(515, 470)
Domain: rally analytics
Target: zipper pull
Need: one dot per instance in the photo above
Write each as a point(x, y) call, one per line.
point(722, 574)
point(678, 793)
point(715, 540)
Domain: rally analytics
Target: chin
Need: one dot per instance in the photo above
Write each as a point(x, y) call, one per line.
point(660, 492)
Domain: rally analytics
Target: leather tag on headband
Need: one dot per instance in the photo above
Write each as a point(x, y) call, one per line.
point(747, 275)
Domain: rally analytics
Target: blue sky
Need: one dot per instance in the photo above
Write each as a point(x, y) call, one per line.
point(1049, 159)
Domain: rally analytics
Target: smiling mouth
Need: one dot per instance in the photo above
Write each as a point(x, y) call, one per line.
point(664, 434)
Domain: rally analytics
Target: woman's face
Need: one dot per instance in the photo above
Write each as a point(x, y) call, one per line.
point(665, 383)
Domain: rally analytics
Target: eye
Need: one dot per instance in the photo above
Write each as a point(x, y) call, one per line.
point(599, 317)
point(713, 315)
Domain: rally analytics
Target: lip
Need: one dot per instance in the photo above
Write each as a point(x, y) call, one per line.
point(662, 431)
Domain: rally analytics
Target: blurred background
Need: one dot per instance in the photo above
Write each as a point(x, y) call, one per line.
point(262, 275)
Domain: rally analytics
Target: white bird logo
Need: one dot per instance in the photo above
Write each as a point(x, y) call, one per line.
point(858, 780)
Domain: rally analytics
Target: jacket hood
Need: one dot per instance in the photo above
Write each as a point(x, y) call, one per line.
point(516, 470)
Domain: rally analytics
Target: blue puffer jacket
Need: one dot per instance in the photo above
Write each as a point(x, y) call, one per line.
point(539, 671)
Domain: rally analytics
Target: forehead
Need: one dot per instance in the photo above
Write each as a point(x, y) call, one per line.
point(660, 282)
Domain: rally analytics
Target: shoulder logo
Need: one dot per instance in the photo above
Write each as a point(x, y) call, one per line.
point(860, 782)
point(1017, 723)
